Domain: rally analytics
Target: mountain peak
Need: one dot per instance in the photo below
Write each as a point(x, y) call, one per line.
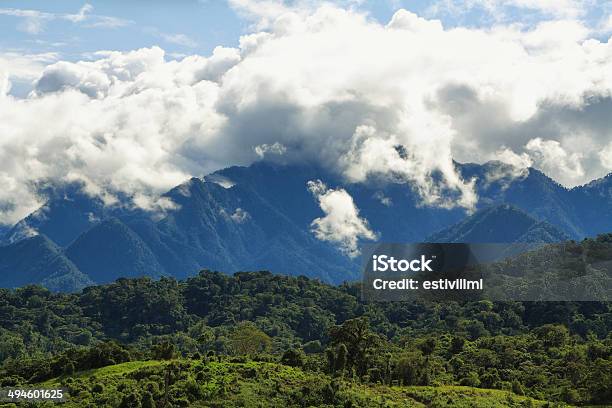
point(504, 223)
point(111, 250)
point(37, 260)
point(62, 218)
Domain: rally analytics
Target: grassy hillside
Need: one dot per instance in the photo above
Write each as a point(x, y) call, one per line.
point(197, 383)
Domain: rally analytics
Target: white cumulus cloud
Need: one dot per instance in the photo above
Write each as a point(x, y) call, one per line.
point(552, 158)
point(320, 84)
point(341, 224)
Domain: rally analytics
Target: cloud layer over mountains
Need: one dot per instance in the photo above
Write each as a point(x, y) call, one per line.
point(328, 85)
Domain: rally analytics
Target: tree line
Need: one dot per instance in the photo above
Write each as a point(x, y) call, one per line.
point(555, 351)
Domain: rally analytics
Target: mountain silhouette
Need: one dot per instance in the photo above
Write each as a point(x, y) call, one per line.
point(37, 260)
point(259, 217)
point(65, 215)
point(502, 223)
point(111, 250)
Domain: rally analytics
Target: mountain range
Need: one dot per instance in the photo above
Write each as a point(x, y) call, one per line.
point(503, 223)
point(259, 217)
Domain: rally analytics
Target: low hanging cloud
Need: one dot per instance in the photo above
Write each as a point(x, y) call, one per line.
point(240, 216)
point(552, 158)
point(341, 224)
point(606, 157)
point(266, 149)
point(318, 84)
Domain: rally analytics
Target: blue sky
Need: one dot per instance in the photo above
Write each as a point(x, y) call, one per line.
point(197, 26)
point(179, 27)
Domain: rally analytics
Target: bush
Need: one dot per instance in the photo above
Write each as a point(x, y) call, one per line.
point(163, 351)
point(293, 358)
point(470, 380)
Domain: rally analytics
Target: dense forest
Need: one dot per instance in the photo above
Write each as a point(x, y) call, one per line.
point(205, 339)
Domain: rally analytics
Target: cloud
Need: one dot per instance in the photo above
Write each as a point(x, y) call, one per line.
point(518, 161)
point(21, 68)
point(65, 75)
point(34, 21)
point(426, 165)
point(553, 159)
point(341, 224)
point(172, 38)
point(508, 167)
point(179, 39)
point(82, 15)
point(240, 216)
point(265, 13)
point(25, 66)
point(110, 22)
point(362, 99)
point(547, 155)
point(265, 149)
point(503, 10)
point(605, 24)
point(118, 124)
point(24, 13)
point(5, 84)
point(31, 25)
point(606, 157)
point(384, 200)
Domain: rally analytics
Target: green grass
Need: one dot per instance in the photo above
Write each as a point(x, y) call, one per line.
point(109, 371)
point(459, 396)
point(442, 396)
point(194, 383)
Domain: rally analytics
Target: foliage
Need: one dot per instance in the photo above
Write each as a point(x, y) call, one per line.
point(247, 339)
point(229, 328)
point(191, 383)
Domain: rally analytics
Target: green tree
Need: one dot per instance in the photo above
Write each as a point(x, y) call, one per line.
point(359, 341)
point(553, 335)
point(163, 351)
point(147, 400)
point(247, 339)
point(411, 368)
point(341, 358)
point(293, 357)
point(428, 346)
